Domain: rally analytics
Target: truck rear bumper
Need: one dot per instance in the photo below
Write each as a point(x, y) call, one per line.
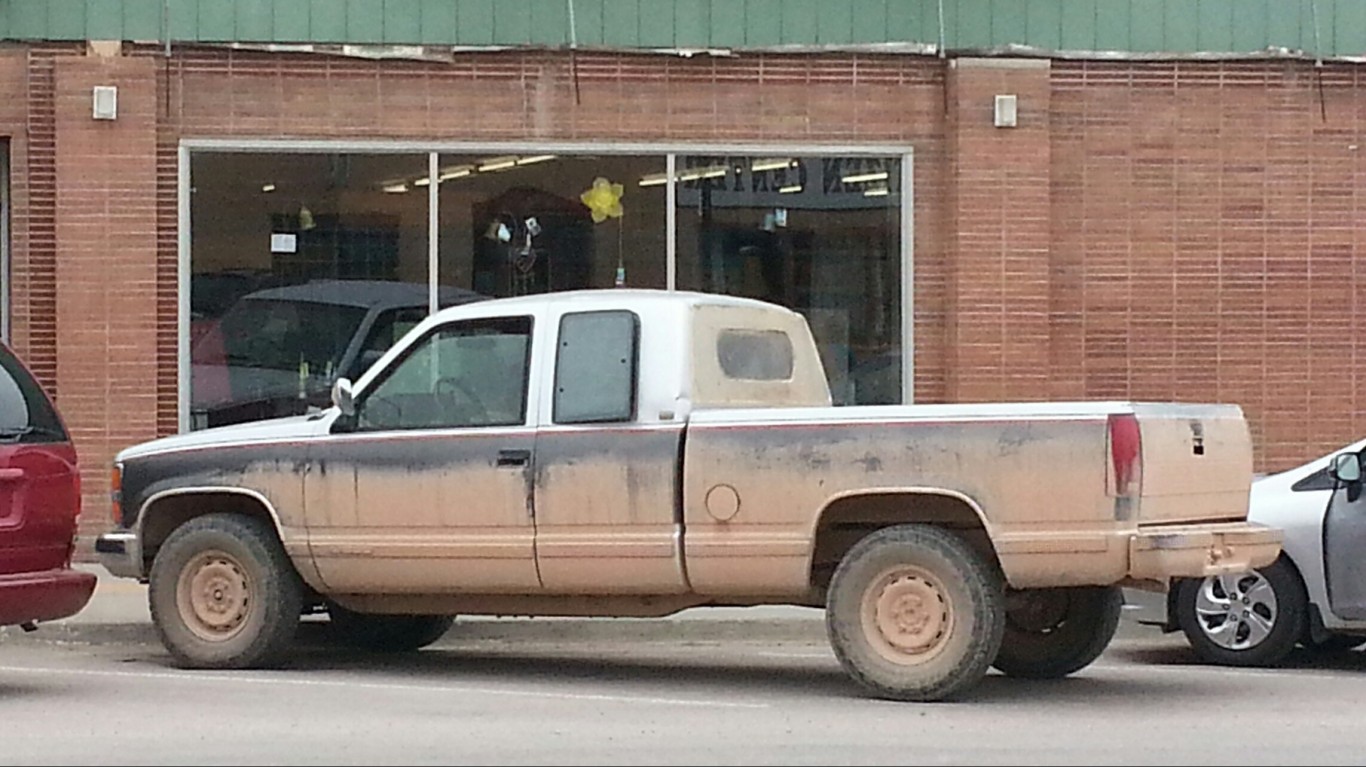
point(1162, 552)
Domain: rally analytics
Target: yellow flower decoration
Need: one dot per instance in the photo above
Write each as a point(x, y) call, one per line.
point(604, 199)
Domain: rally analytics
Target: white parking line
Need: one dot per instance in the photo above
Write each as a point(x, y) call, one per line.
point(238, 677)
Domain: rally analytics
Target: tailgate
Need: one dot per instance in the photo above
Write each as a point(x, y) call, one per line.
point(1196, 463)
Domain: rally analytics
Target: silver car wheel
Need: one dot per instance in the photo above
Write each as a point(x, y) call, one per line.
point(1236, 611)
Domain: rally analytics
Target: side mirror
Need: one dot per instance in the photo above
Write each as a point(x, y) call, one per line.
point(343, 397)
point(1346, 468)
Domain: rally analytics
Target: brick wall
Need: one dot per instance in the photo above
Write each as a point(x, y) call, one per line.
point(106, 269)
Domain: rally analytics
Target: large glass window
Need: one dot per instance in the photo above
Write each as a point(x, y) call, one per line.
point(296, 259)
point(820, 235)
point(306, 266)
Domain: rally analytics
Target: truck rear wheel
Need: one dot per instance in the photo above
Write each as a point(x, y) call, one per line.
point(224, 595)
point(1051, 633)
point(385, 633)
point(913, 613)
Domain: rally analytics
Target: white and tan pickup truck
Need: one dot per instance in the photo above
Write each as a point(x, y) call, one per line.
point(637, 453)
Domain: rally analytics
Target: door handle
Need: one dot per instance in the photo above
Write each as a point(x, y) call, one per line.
point(513, 457)
point(11, 474)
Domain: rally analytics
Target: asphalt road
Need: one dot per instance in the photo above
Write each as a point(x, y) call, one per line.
point(706, 688)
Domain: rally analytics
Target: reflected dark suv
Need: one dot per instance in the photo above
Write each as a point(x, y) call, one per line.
point(40, 499)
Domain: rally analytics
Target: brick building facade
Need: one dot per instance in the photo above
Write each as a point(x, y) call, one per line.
point(1156, 230)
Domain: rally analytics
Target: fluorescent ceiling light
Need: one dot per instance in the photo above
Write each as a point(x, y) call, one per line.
point(457, 171)
point(790, 189)
point(861, 177)
point(497, 163)
point(398, 188)
point(654, 179)
point(877, 191)
point(268, 188)
point(772, 164)
point(423, 181)
point(534, 158)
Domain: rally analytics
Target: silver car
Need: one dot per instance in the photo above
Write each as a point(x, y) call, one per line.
point(1313, 596)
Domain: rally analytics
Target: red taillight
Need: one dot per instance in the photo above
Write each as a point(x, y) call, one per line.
point(1126, 448)
point(116, 494)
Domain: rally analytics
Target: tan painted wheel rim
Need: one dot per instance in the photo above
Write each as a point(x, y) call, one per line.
point(214, 596)
point(907, 615)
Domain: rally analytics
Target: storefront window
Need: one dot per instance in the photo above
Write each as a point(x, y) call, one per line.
point(302, 266)
point(820, 235)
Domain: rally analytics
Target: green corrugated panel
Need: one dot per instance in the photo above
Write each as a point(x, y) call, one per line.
point(292, 22)
point(364, 21)
point(1250, 25)
point(692, 23)
point(656, 23)
point(327, 20)
point(402, 21)
point(1112, 25)
point(475, 22)
point(1078, 24)
point(763, 22)
point(905, 22)
point(872, 19)
point(1147, 25)
point(834, 23)
point(104, 21)
point(550, 22)
point(727, 23)
point(184, 19)
point(1043, 24)
point(1009, 23)
point(256, 21)
point(142, 20)
point(67, 19)
point(799, 22)
point(512, 22)
point(1179, 21)
point(973, 29)
point(215, 22)
point(1285, 29)
point(588, 21)
point(438, 22)
point(1349, 28)
point(1214, 25)
point(621, 22)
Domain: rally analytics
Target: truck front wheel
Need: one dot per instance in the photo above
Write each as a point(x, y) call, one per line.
point(913, 613)
point(224, 595)
point(1051, 633)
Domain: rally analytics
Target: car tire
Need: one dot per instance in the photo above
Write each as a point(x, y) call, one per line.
point(1266, 615)
point(914, 613)
point(385, 633)
point(224, 595)
point(1051, 633)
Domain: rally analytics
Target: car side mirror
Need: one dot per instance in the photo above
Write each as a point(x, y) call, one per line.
point(1346, 468)
point(343, 397)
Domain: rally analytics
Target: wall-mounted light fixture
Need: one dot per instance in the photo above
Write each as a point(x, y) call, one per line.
point(1006, 111)
point(106, 102)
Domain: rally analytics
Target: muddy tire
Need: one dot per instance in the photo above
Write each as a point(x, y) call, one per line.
point(385, 633)
point(913, 613)
point(1051, 633)
point(224, 595)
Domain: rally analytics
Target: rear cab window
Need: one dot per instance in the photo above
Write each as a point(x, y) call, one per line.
point(596, 363)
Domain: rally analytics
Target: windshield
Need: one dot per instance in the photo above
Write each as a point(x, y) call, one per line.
point(289, 336)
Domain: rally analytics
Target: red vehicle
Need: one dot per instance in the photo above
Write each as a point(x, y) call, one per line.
point(40, 499)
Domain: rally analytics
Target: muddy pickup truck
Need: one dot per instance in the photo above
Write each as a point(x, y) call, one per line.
point(638, 453)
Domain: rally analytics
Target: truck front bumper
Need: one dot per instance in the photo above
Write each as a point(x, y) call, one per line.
point(1162, 552)
point(119, 553)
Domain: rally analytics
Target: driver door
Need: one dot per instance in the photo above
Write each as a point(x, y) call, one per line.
point(426, 489)
point(1344, 550)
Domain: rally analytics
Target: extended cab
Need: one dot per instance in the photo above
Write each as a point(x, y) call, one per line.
point(637, 453)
